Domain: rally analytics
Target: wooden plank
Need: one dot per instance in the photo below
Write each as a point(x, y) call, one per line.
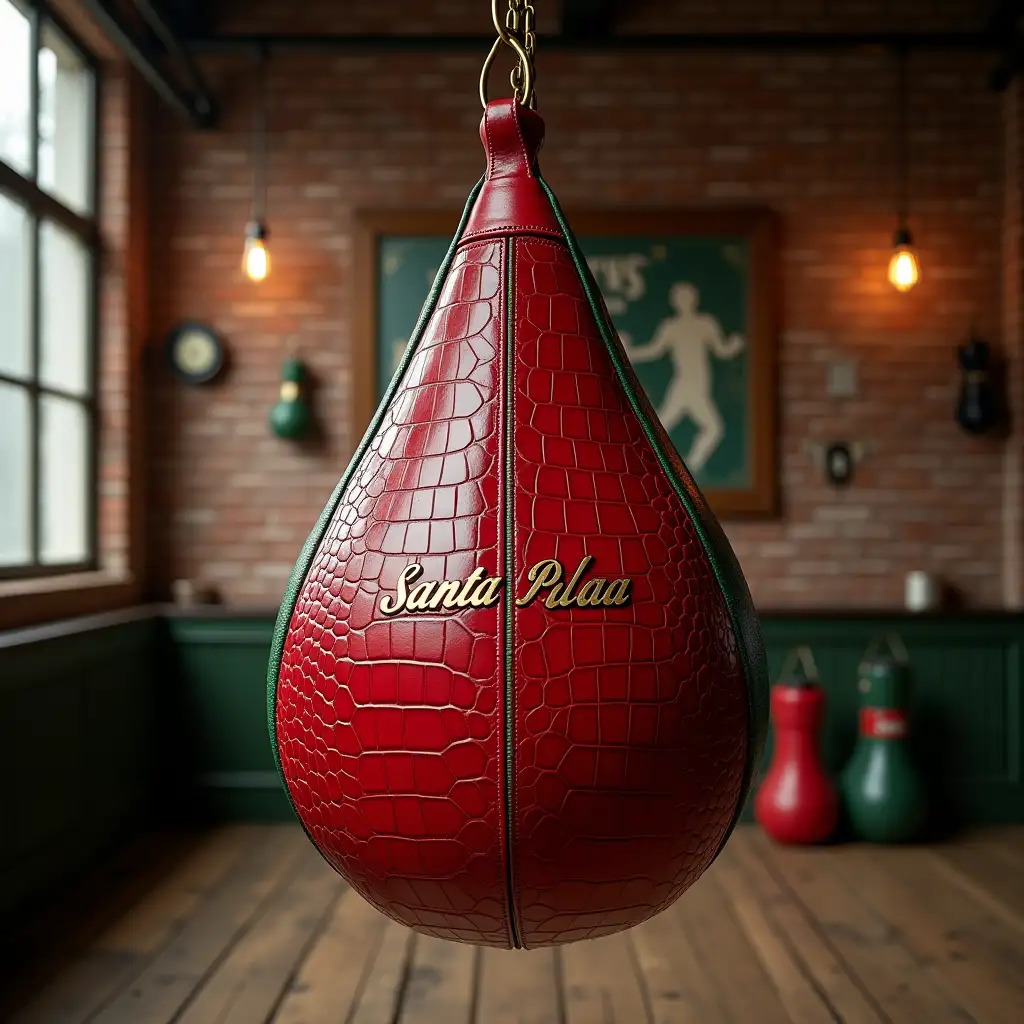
point(332, 977)
point(904, 989)
point(802, 1001)
point(382, 994)
point(800, 931)
point(518, 987)
point(121, 952)
point(1007, 844)
point(602, 983)
point(168, 981)
point(248, 984)
point(966, 921)
point(741, 985)
point(45, 944)
point(980, 988)
point(441, 984)
point(1003, 841)
point(678, 991)
point(152, 922)
point(989, 877)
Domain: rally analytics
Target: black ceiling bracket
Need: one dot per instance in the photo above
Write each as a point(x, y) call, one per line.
point(1004, 28)
point(161, 24)
point(194, 103)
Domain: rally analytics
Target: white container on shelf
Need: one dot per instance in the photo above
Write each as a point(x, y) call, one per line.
point(921, 592)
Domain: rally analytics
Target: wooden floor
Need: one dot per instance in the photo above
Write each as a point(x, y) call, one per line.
point(249, 926)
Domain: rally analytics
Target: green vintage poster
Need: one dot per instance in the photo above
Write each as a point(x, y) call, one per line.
point(680, 306)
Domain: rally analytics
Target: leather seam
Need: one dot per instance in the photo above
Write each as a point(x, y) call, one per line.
point(504, 229)
point(514, 518)
point(517, 114)
point(499, 739)
point(490, 146)
point(509, 702)
point(554, 243)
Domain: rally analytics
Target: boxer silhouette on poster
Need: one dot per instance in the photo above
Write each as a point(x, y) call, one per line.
point(689, 338)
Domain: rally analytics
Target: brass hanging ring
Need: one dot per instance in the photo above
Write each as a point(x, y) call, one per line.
point(523, 82)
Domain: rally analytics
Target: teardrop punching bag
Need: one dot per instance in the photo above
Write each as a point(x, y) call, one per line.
point(517, 687)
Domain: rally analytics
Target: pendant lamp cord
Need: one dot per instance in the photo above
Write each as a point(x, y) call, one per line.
point(902, 148)
point(259, 140)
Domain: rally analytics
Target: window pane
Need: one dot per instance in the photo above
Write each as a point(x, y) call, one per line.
point(65, 121)
point(64, 474)
point(15, 281)
point(15, 86)
point(64, 310)
point(15, 476)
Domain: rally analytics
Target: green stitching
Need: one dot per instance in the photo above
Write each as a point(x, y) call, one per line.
point(309, 549)
point(510, 604)
point(756, 675)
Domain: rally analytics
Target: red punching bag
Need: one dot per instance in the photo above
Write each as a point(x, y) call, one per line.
point(517, 687)
point(797, 802)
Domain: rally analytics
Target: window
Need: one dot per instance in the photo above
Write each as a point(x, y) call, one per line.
point(48, 266)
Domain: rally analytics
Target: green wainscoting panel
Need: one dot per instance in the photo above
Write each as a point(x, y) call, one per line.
point(222, 754)
point(78, 718)
point(967, 714)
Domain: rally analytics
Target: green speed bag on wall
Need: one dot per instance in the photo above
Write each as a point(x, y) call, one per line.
point(290, 418)
point(881, 786)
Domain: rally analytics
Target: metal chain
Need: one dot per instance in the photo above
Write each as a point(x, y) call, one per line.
point(522, 21)
point(518, 32)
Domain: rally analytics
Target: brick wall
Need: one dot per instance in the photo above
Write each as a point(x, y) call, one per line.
point(1013, 344)
point(114, 360)
point(810, 135)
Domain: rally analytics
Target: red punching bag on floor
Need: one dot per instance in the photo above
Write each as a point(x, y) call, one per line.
point(517, 688)
point(797, 801)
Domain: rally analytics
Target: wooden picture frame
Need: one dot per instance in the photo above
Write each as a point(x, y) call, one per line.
point(743, 238)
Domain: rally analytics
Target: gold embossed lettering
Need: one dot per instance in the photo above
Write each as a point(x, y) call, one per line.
point(482, 591)
point(419, 599)
point(488, 593)
point(465, 599)
point(568, 597)
point(447, 593)
point(618, 594)
point(394, 605)
point(543, 574)
point(591, 593)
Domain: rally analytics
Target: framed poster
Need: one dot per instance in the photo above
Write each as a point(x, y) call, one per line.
point(692, 294)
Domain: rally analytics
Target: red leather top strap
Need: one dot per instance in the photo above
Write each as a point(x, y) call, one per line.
point(511, 201)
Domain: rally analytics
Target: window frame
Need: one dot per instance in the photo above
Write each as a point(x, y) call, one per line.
point(40, 206)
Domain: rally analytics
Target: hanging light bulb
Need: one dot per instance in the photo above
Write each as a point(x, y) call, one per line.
point(255, 257)
point(903, 269)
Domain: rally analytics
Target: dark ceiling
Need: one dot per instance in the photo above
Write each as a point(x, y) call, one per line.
point(164, 38)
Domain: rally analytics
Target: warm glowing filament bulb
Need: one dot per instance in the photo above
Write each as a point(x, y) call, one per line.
point(903, 268)
point(257, 261)
point(255, 258)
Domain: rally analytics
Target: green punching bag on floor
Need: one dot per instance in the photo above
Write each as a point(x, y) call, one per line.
point(881, 786)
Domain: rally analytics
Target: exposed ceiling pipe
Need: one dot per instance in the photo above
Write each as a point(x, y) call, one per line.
point(157, 20)
point(114, 27)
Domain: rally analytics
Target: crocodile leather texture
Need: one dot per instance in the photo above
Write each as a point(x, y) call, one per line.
point(631, 721)
point(514, 775)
